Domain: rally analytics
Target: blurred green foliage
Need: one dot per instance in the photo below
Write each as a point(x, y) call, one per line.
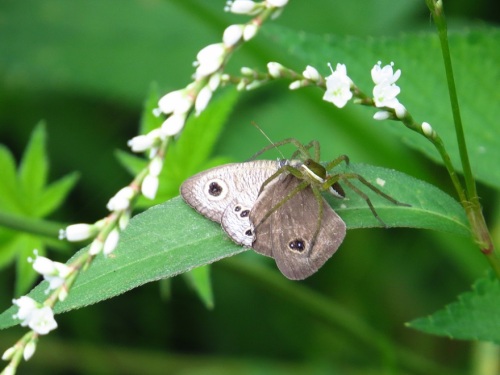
point(85, 68)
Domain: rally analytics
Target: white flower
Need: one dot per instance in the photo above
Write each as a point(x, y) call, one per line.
point(156, 166)
point(209, 59)
point(242, 7)
point(55, 273)
point(214, 81)
point(385, 90)
point(111, 242)
point(78, 232)
point(384, 95)
point(202, 100)
point(311, 73)
point(42, 320)
point(121, 199)
point(142, 143)
point(277, 3)
point(173, 125)
point(295, 85)
point(26, 307)
point(400, 111)
point(29, 350)
point(149, 186)
point(275, 69)
point(175, 101)
point(338, 87)
point(9, 353)
point(427, 129)
point(232, 35)
point(95, 247)
point(381, 115)
point(249, 31)
point(384, 75)
point(10, 369)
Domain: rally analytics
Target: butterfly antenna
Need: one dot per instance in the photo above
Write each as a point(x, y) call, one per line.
point(269, 139)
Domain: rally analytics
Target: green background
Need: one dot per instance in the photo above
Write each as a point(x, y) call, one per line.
point(85, 68)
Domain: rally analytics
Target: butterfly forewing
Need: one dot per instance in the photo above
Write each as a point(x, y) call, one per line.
point(287, 234)
point(226, 193)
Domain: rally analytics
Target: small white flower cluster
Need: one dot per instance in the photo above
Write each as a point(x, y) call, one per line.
point(252, 8)
point(55, 273)
point(338, 86)
point(37, 317)
point(386, 91)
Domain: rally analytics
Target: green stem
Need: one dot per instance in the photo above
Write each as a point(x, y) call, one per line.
point(471, 200)
point(440, 21)
point(30, 225)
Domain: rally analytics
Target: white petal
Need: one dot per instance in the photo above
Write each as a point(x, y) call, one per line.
point(79, 232)
point(277, 3)
point(44, 266)
point(311, 73)
point(243, 7)
point(111, 242)
point(275, 69)
point(95, 247)
point(172, 125)
point(177, 101)
point(250, 31)
point(42, 320)
point(232, 35)
point(381, 115)
point(149, 186)
point(202, 100)
point(427, 129)
point(29, 350)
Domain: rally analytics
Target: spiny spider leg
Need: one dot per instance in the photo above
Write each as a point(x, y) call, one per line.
point(367, 200)
point(345, 176)
point(304, 150)
point(276, 145)
point(285, 168)
point(298, 188)
point(319, 200)
point(337, 161)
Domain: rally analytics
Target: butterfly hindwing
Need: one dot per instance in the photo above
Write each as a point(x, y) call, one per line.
point(287, 234)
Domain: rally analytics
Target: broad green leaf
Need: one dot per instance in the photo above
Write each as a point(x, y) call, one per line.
point(423, 86)
point(161, 242)
point(475, 316)
point(54, 194)
point(430, 207)
point(33, 169)
point(172, 238)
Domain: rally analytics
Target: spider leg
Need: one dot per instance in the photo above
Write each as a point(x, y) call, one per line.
point(319, 199)
point(337, 161)
point(298, 188)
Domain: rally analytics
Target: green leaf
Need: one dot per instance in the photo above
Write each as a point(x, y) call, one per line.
point(33, 169)
point(423, 85)
point(172, 238)
point(25, 275)
point(161, 242)
point(199, 279)
point(54, 194)
point(475, 316)
point(8, 184)
point(430, 207)
point(148, 120)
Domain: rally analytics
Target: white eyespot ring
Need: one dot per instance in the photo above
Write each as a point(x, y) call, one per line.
point(216, 189)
